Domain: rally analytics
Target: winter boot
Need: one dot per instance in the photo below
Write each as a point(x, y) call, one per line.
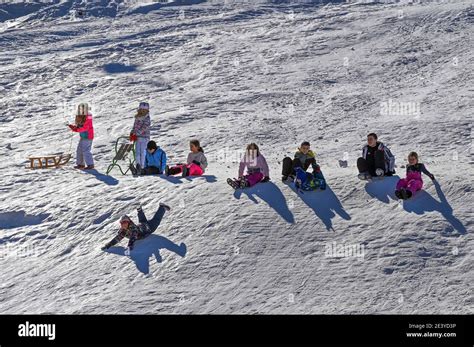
point(80, 167)
point(185, 172)
point(89, 167)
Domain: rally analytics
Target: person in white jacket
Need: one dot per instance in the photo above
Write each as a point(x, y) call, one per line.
point(196, 162)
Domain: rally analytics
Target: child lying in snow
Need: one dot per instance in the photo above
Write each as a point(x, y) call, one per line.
point(135, 232)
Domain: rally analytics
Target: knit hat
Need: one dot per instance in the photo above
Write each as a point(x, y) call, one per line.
point(83, 109)
point(125, 218)
point(144, 106)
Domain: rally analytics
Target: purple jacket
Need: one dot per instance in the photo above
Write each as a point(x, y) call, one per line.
point(254, 164)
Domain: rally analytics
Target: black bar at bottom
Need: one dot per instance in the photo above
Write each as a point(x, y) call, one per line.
point(445, 330)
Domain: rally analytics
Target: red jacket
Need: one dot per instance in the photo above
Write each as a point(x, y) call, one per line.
point(87, 130)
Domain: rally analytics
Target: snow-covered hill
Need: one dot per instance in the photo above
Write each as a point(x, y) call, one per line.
point(230, 74)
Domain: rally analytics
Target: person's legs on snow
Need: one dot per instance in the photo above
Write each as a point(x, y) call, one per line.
point(86, 147)
point(414, 185)
point(156, 220)
point(141, 216)
point(254, 178)
point(174, 170)
point(194, 170)
point(79, 156)
point(287, 168)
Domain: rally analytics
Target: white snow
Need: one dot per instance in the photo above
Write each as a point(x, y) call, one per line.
point(230, 74)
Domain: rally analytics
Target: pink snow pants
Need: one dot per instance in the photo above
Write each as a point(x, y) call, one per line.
point(194, 170)
point(254, 178)
point(412, 182)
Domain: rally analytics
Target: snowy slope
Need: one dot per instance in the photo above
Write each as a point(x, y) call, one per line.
point(232, 74)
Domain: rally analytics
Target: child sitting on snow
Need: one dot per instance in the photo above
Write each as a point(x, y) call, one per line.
point(141, 133)
point(304, 158)
point(135, 232)
point(407, 187)
point(83, 125)
point(256, 166)
point(155, 161)
point(196, 162)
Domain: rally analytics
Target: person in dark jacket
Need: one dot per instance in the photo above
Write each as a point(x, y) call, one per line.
point(376, 160)
point(304, 158)
point(155, 161)
point(407, 187)
point(135, 232)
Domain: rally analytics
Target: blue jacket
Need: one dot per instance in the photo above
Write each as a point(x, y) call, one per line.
point(157, 159)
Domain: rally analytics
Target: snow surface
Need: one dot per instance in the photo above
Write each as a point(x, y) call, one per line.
point(230, 74)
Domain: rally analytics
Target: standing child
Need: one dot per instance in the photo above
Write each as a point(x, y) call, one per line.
point(257, 169)
point(196, 162)
point(83, 126)
point(141, 133)
point(155, 161)
point(407, 187)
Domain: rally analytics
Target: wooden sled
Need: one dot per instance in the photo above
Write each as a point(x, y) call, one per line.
point(49, 162)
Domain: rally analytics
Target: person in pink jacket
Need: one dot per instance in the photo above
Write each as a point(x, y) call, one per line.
point(253, 168)
point(85, 129)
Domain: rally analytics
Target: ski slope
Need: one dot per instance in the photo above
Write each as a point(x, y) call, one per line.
point(230, 74)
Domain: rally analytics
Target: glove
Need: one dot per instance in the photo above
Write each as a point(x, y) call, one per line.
point(104, 248)
point(432, 177)
point(196, 162)
point(266, 179)
point(72, 126)
point(133, 137)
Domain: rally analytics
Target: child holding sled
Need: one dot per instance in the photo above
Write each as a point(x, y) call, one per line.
point(83, 125)
point(407, 187)
point(256, 168)
point(196, 162)
point(135, 232)
point(141, 134)
point(155, 161)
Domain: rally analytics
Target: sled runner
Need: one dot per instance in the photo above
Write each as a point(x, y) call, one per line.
point(122, 153)
point(49, 161)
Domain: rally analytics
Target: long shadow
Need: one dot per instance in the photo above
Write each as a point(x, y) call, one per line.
point(146, 248)
point(272, 195)
point(383, 189)
point(423, 202)
point(325, 205)
point(109, 180)
point(208, 178)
